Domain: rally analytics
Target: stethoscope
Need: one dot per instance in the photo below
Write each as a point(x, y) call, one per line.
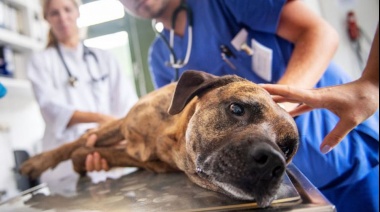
point(73, 80)
point(174, 61)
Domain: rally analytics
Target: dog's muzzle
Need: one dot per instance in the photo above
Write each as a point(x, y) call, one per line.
point(246, 170)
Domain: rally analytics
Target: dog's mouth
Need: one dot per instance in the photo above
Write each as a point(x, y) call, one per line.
point(256, 178)
point(262, 195)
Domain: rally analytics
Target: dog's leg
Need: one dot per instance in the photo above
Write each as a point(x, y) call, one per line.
point(106, 136)
point(116, 157)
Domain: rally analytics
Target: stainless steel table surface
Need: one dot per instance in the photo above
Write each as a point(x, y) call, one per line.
point(141, 190)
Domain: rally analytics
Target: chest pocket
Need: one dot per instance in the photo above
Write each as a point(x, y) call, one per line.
point(262, 60)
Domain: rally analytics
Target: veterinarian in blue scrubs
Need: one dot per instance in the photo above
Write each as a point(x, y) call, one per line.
point(348, 176)
point(77, 88)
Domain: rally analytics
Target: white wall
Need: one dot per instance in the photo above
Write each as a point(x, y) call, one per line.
point(334, 11)
point(7, 180)
point(21, 128)
point(314, 5)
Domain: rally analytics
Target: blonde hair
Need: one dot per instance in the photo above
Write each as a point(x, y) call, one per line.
point(52, 40)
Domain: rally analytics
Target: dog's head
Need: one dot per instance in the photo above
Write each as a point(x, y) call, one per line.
point(238, 140)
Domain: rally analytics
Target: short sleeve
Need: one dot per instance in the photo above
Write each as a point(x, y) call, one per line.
point(259, 15)
point(161, 74)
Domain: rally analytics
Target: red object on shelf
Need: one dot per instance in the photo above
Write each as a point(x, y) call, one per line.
point(352, 26)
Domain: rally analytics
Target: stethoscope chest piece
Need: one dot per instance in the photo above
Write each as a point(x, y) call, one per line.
point(73, 81)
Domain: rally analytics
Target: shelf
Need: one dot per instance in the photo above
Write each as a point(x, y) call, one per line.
point(19, 90)
point(20, 87)
point(23, 4)
point(19, 42)
point(15, 83)
point(19, 93)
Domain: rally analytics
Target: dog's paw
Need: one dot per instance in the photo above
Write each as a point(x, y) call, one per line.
point(36, 165)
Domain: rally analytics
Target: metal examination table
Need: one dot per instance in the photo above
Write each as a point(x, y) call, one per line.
point(141, 190)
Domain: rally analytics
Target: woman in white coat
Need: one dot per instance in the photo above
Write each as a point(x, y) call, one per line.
point(77, 88)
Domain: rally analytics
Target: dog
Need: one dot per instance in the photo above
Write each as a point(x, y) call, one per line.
point(225, 133)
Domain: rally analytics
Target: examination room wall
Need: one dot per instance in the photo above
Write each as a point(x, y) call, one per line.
point(335, 12)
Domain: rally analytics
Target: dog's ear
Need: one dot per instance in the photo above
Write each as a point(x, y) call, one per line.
point(193, 83)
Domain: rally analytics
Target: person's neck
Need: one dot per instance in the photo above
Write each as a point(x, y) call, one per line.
point(180, 22)
point(71, 43)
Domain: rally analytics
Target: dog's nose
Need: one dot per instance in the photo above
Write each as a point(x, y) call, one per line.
point(266, 161)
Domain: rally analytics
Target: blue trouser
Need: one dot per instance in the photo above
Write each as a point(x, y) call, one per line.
point(361, 196)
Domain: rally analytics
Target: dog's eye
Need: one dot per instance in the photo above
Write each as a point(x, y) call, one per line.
point(237, 109)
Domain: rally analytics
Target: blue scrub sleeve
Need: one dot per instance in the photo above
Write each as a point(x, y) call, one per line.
point(161, 74)
point(259, 15)
point(3, 91)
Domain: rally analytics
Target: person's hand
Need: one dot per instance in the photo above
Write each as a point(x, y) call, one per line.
point(353, 103)
point(94, 162)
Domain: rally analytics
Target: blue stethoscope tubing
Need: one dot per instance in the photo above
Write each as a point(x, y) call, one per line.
point(86, 51)
point(174, 62)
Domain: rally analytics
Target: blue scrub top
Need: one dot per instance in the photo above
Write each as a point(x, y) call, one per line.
point(3, 91)
point(216, 23)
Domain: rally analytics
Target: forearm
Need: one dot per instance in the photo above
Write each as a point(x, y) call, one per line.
point(367, 86)
point(371, 71)
point(315, 44)
point(311, 56)
point(79, 117)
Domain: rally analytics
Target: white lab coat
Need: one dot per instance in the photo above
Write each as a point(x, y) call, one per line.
point(58, 100)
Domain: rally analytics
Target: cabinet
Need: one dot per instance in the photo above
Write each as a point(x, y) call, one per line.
point(22, 32)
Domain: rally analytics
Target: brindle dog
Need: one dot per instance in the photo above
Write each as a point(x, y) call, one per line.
point(226, 133)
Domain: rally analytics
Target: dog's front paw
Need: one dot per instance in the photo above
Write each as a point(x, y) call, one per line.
point(36, 165)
